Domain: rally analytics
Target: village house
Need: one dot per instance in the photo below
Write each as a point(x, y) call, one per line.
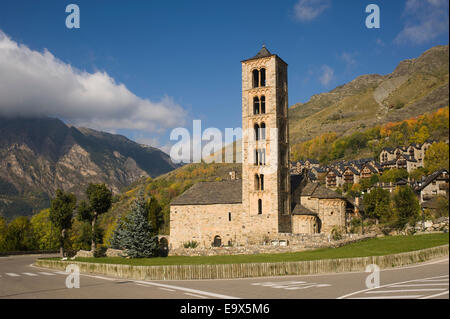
point(436, 184)
point(409, 158)
point(333, 178)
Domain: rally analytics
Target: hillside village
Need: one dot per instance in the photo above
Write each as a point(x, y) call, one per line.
point(367, 173)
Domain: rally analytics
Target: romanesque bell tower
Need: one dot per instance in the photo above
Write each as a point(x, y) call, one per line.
point(265, 148)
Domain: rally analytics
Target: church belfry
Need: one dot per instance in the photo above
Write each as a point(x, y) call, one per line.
point(265, 148)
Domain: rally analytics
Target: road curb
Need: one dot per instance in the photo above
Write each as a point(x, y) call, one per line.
point(235, 271)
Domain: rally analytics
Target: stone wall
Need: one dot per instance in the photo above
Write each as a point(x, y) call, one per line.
point(228, 271)
point(202, 223)
point(294, 243)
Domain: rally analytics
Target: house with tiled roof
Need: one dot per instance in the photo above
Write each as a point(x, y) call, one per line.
point(435, 184)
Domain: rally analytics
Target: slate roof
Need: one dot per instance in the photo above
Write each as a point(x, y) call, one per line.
point(209, 193)
point(389, 149)
point(335, 171)
point(311, 176)
point(263, 53)
point(299, 209)
point(353, 170)
point(371, 168)
point(318, 191)
point(312, 161)
point(430, 178)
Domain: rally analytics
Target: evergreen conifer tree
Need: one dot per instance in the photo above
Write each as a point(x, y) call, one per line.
point(135, 234)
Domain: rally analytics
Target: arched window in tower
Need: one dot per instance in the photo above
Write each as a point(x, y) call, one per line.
point(263, 131)
point(257, 182)
point(261, 182)
point(255, 78)
point(256, 157)
point(255, 105)
point(262, 156)
point(263, 77)
point(260, 207)
point(256, 132)
point(263, 104)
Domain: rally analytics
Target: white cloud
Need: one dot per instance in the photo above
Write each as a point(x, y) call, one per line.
point(425, 21)
point(307, 10)
point(348, 58)
point(36, 83)
point(327, 75)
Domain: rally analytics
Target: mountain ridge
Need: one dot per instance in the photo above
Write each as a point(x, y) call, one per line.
point(414, 87)
point(40, 155)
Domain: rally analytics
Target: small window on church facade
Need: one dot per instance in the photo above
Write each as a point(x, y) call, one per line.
point(261, 181)
point(263, 104)
point(256, 132)
point(257, 182)
point(255, 78)
point(259, 206)
point(255, 105)
point(263, 77)
point(229, 217)
point(263, 131)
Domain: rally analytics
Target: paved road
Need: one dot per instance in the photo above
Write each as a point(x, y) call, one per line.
point(19, 279)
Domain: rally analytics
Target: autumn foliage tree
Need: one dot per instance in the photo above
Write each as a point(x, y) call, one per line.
point(436, 157)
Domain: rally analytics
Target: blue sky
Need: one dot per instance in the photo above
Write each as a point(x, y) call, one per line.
point(176, 61)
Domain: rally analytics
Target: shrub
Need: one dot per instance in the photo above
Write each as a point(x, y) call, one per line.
point(336, 233)
point(100, 251)
point(190, 244)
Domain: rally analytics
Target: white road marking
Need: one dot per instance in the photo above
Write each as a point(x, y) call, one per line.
point(278, 283)
point(420, 285)
point(403, 290)
point(45, 273)
point(290, 285)
point(310, 286)
point(100, 277)
point(436, 295)
point(171, 290)
point(390, 297)
point(194, 295)
point(206, 293)
point(394, 284)
point(29, 274)
point(10, 274)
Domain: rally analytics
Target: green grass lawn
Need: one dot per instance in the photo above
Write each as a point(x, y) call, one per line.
point(370, 247)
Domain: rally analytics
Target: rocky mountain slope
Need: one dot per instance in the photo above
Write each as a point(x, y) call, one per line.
point(416, 86)
point(40, 155)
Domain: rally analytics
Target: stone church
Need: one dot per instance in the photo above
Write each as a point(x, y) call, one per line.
point(266, 200)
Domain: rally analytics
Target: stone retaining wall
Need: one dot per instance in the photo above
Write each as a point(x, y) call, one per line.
point(297, 243)
point(228, 271)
